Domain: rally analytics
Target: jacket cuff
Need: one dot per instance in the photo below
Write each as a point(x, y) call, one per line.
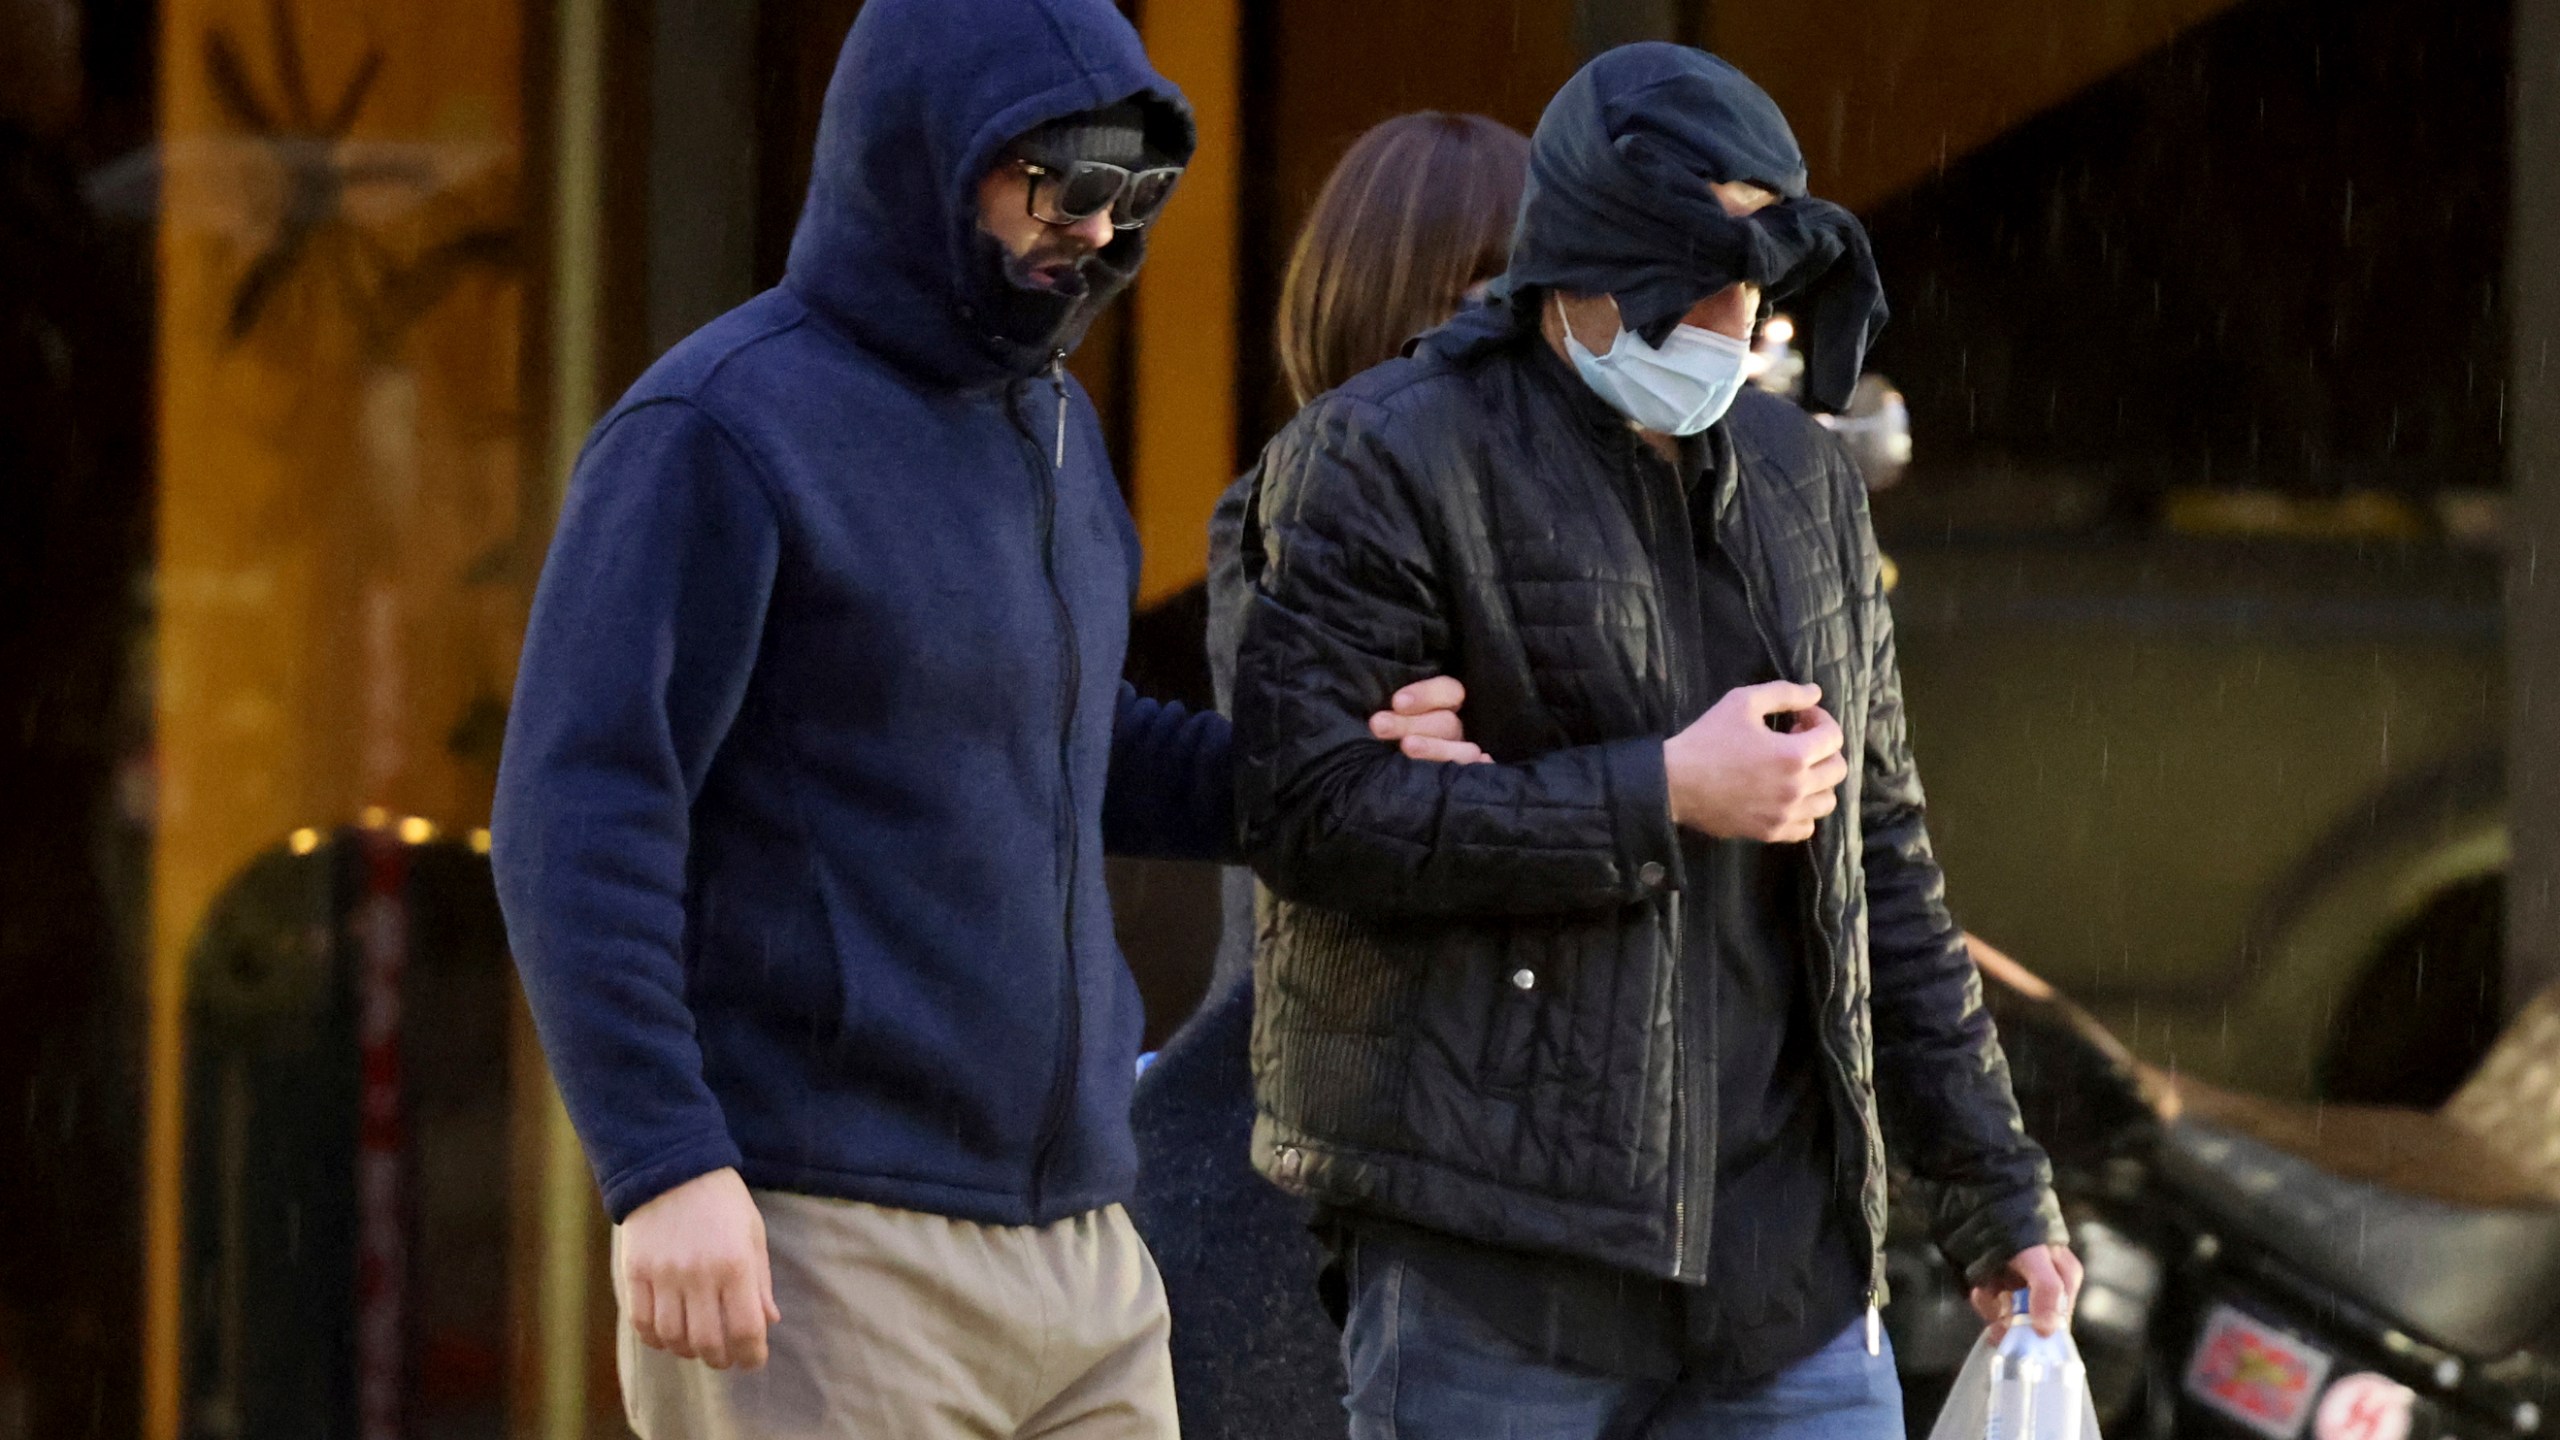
point(1640, 800)
point(1984, 1242)
point(637, 1185)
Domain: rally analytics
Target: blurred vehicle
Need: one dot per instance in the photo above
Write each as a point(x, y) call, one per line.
point(2228, 763)
point(2266, 1270)
point(2234, 776)
point(2201, 600)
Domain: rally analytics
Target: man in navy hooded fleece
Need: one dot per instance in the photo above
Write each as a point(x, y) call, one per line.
point(817, 746)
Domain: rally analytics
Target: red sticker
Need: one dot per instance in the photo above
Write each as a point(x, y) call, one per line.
point(2257, 1375)
point(2366, 1406)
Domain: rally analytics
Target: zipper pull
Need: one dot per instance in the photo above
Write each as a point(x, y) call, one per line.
point(1875, 1329)
point(1058, 382)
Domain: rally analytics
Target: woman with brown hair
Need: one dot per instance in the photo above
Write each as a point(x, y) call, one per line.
point(1411, 225)
point(1414, 220)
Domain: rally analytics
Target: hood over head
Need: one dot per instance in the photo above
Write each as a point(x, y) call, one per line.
point(1618, 203)
point(926, 96)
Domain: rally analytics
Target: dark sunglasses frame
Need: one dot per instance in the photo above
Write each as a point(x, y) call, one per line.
point(1127, 185)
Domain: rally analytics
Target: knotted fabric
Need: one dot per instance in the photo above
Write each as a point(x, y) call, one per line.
point(1618, 202)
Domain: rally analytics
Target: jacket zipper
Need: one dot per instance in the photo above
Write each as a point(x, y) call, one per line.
point(1825, 978)
point(1678, 675)
point(1058, 382)
point(1062, 1083)
point(1679, 1087)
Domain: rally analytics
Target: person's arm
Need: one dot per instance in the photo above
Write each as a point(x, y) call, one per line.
point(1941, 1080)
point(1228, 593)
point(643, 634)
point(1347, 609)
point(1172, 790)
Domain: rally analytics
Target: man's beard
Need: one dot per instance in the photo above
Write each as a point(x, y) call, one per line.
point(1034, 306)
point(1052, 269)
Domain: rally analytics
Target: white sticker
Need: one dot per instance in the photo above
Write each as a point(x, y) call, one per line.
point(2255, 1373)
point(2366, 1406)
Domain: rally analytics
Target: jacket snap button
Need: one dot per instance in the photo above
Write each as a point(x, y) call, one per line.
point(1525, 979)
point(1650, 872)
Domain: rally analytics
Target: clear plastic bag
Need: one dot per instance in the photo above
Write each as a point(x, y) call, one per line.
point(2024, 1386)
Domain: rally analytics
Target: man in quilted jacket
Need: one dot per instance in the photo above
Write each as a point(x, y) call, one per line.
point(1591, 1056)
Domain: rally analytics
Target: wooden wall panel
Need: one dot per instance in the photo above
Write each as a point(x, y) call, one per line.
point(1326, 71)
point(1182, 311)
point(345, 546)
point(1883, 93)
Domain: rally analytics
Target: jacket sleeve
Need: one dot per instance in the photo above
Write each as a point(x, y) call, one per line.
point(1172, 790)
point(643, 634)
point(1348, 605)
point(1942, 1084)
point(1228, 596)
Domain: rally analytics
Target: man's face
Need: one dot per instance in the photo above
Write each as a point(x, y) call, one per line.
point(1730, 311)
point(1038, 255)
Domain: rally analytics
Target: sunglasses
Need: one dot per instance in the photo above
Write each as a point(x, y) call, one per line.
point(1071, 194)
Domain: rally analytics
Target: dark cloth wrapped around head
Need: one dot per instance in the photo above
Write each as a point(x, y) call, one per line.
point(1618, 203)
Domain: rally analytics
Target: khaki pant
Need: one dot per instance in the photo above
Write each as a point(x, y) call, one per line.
point(897, 1324)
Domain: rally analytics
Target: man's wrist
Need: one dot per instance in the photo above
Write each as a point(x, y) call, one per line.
point(687, 1161)
point(2003, 1229)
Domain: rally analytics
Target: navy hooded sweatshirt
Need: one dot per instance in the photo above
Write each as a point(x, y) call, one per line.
point(819, 735)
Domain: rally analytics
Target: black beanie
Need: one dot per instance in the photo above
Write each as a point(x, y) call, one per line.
point(1114, 134)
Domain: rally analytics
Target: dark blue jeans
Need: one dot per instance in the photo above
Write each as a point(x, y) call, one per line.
point(1424, 1367)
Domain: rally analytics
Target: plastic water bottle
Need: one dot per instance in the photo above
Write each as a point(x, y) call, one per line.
point(2036, 1383)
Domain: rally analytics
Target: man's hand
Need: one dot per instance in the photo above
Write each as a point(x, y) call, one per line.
point(698, 1282)
point(2050, 1274)
point(1735, 778)
point(1423, 720)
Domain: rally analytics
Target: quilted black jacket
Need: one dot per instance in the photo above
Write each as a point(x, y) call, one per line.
point(1467, 1001)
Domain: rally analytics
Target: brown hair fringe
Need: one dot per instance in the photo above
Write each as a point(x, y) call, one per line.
point(1419, 210)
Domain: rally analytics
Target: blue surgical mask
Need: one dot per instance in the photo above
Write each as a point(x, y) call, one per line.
point(1679, 388)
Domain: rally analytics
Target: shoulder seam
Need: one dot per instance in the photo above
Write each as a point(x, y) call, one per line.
point(766, 489)
point(712, 372)
point(1381, 401)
